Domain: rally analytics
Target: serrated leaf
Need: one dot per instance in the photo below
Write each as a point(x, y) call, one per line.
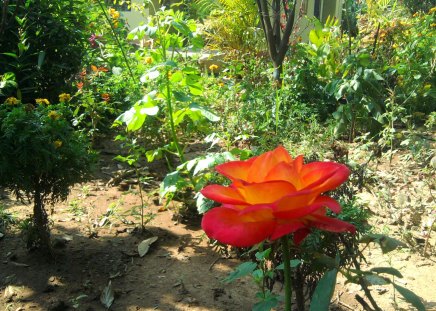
point(107, 296)
point(324, 291)
point(410, 297)
point(387, 270)
point(242, 270)
point(144, 246)
point(203, 204)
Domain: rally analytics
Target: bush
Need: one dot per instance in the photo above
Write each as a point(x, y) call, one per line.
point(42, 43)
point(41, 157)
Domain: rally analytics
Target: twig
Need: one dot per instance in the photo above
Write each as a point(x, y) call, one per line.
point(363, 303)
point(345, 305)
point(214, 262)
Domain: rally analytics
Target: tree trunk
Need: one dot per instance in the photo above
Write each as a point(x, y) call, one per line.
point(40, 222)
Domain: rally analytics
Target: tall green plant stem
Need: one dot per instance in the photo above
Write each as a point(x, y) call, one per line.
point(170, 112)
point(168, 99)
point(287, 270)
point(118, 41)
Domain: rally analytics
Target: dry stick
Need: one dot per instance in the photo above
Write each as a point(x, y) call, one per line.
point(364, 304)
point(375, 39)
point(428, 238)
point(361, 281)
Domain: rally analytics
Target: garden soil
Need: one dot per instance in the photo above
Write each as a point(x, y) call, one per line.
point(96, 260)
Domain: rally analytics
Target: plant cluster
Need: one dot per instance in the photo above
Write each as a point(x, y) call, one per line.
point(42, 157)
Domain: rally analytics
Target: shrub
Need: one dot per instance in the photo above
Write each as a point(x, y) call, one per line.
point(41, 156)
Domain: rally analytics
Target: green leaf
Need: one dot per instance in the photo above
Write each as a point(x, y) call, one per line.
point(375, 279)
point(177, 76)
point(205, 112)
point(263, 255)
point(41, 57)
point(293, 262)
point(172, 183)
point(324, 291)
point(410, 297)
point(242, 270)
point(154, 154)
point(150, 75)
point(196, 89)
point(181, 97)
point(387, 244)
point(203, 204)
point(10, 54)
point(387, 270)
point(132, 118)
point(266, 305)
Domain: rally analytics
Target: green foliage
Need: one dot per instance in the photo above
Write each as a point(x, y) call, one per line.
point(42, 43)
point(41, 157)
point(41, 151)
point(324, 291)
point(232, 24)
point(6, 219)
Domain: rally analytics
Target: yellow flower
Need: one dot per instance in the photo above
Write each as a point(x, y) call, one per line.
point(394, 46)
point(53, 115)
point(64, 97)
point(57, 144)
point(213, 67)
point(114, 13)
point(427, 86)
point(116, 24)
point(11, 101)
point(433, 25)
point(148, 60)
point(432, 10)
point(42, 101)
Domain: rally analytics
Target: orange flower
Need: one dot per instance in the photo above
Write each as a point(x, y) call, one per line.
point(94, 68)
point(106, 97)
point(79, 85)
point(273, 195)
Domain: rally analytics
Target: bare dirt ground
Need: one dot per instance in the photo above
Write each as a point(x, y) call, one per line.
point(96, 242)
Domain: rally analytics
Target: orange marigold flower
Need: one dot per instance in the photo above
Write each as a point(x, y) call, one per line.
point(11, 101)
point(42, 101)
point(106, 97)
point(64, 97)
point(94, 68)
point(79, 85)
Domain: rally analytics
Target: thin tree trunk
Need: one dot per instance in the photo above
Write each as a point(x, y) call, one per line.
point(40, 221)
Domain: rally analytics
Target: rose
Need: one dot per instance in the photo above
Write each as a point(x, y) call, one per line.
point(273, 195)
